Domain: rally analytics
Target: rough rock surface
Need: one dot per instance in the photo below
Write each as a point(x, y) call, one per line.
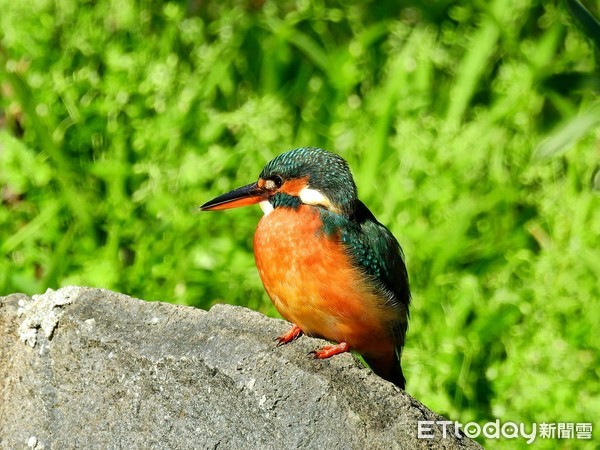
point(90, 368)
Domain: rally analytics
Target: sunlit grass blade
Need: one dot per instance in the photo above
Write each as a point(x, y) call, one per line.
point(567, 134)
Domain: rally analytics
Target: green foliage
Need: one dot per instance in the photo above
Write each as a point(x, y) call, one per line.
point(120, 118)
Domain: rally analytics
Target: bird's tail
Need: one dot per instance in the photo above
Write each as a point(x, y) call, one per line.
point(387, 367)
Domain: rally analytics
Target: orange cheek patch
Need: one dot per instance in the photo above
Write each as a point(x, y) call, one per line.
point(293, 187)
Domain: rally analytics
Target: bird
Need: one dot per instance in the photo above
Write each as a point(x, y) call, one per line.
point(329, 267)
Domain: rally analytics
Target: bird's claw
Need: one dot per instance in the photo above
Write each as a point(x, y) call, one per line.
point(293, 333)
point(329, 350)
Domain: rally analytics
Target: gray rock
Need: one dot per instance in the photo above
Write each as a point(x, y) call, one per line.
point(90, 368)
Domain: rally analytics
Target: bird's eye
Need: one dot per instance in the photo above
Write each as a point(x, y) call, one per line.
point(277, 180)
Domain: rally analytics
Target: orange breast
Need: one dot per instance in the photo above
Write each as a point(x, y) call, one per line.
point(313, 284)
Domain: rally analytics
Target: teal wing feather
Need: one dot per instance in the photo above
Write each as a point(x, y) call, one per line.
point(375, 249)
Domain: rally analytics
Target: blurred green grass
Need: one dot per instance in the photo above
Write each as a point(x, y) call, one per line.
point(117, 119)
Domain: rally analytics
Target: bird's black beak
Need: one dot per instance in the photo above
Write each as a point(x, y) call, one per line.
point(243, 196)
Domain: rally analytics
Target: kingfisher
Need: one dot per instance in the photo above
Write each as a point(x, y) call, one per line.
point(329, 267)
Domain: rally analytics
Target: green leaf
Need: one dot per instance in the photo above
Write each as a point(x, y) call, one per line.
point(586, 21)
point(569, 133)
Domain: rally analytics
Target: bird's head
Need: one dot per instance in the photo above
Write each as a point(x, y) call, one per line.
point(308, 175)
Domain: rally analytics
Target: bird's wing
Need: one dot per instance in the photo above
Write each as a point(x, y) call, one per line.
point(377, 252)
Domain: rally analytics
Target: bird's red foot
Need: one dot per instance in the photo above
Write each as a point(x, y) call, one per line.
point(294, 333)
point(329, 350)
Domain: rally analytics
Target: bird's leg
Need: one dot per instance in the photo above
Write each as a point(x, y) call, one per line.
point(294, 333)
point(329, 350)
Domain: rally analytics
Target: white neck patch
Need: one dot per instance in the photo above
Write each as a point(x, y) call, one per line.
point(315, 198)
point(266, 207)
